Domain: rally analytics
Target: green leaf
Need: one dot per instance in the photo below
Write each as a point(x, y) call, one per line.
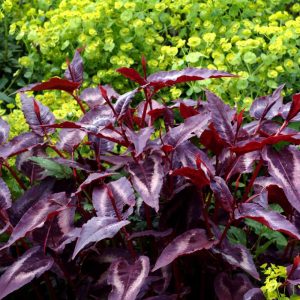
point(52, 168)
point(5, 98)
point(237, 236)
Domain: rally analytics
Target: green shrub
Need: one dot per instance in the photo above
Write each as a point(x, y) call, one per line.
point(258, 40)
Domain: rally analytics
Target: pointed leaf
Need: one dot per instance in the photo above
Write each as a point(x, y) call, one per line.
point(36, 216)
point(54, 83)
point(132, 74)
point(92, 178)
point(147, 179)
point(267, 106)
point(123, 102)
point(254, 294)
point(139, 139)
point(228, 288)
point(19, 144)
point(29, 198)
point(37, 114)
point(198, 177)
point(238, 256)
point(93, 97)
point(189, 242)
point(4, 131)
point(126, 279)
point(97, 229)
point(28, 167)
point(269, 218)
point(284, 166)
point(244, 163)
point(69, 139)
point(221, 115)
point(259, 142)
point(295, 107)
point(222, 193)
point(5, 196)
point(122, 193)
point(32, 264)
point(163, 79)
point(187, 152)
point(192, 126)
point(74, 72)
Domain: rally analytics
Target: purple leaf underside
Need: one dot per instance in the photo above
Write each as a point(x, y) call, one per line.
point(97, 229)
point(147, 179)
point(189, 242)
point(30, 265)
point(285, 167)
point(127, 280)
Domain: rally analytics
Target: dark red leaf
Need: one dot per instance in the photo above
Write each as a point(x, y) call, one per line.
point(132, 74)
point(32, 264)
point(187, 111)
point(127, 280)
point(189, 242)
point(295, 107)
point(198, 177)
point(97, 229)
point(74, 72)
point(212, 140)
point(259, 142)
point(37, 114)
point(54, 83)
point(163, 79)
point(269, 218)
point(284, 166)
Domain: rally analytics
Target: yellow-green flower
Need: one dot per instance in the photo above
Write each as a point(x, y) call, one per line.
point(209, 37)
point(194, 41)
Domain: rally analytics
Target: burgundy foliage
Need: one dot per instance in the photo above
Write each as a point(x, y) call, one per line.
point(148, 199)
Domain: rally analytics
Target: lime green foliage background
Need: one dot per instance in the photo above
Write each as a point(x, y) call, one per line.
point(259, 40)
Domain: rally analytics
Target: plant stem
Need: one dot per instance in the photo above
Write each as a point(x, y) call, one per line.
point(15, 175)
point(78, 100)
point(119, 217)
point(253, 177)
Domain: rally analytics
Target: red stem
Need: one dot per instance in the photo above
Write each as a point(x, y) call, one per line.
point(253, 177)
point(119, 217)
point(78, 100)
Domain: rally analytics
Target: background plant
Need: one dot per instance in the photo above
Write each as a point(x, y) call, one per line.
point(143, 200)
